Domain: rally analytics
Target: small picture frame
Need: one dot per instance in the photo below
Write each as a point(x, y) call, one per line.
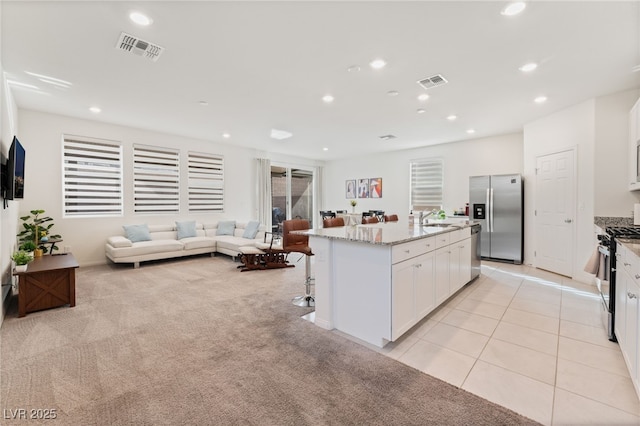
point(363, 188)
point(350, 188)
point(375, 188)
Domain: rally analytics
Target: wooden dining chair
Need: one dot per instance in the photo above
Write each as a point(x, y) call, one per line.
point(391, 218)
point(370, 219)
point(333, 222)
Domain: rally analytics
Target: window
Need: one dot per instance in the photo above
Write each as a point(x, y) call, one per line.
point(156, 180)
point(92, 177)
point(426, 184)
point(206, 183)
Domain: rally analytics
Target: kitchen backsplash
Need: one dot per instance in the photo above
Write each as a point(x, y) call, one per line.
point(603, 221)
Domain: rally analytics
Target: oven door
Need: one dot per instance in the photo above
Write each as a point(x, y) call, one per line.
point(603, 281)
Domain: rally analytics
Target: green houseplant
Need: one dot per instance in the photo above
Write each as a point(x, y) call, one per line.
point(21, 258)
point(35, 227)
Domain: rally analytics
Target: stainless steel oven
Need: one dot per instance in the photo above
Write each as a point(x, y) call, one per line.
point(607, 283)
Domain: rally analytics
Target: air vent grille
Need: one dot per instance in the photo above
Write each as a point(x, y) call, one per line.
point(139, 47)
point(433, 81)
point(387, 137)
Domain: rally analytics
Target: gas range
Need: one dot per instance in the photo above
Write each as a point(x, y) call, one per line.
point(632, 232)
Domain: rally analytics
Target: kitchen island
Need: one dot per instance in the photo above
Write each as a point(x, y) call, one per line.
point(375, 282)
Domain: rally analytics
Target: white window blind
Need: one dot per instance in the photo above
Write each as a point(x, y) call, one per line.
point(156, 180)
point(426, 183)
point(206, 183)
point(92, 177)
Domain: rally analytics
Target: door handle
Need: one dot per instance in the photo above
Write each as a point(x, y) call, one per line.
point(568, 221)
point(491, 210)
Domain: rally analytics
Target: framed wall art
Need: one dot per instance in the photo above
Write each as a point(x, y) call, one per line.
point(363, 188)
point(350, 188)
point(375, 188)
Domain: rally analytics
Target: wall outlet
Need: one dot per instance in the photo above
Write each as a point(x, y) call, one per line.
point(67, 249)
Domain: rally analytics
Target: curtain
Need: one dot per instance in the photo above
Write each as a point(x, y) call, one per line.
point(264, 191)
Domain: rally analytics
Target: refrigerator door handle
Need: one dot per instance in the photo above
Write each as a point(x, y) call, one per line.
point(491, 210)
point(487, 206)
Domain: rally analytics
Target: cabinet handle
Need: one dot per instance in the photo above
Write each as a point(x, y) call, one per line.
point(419, 265)
point(617, 255)
point(631, 295)
point(626, 264)
point(407, 251)
point(637, 277)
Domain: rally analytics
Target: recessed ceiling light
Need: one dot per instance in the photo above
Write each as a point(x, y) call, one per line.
point(393, 93)
point(353, 68)
point(540, 99)
point(471, 131)
point(327, 99)
point(423, 97)
point(528, 67)
point(226, 135)
point(452, 117)
point(140, 18)
point(376, 64)
point(421, 111)
point(280, 134)
point(325, 149)
point(513, 8)
point(203, 103)
point(95, 109)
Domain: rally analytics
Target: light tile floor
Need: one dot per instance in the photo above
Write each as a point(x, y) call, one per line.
point(528, 340)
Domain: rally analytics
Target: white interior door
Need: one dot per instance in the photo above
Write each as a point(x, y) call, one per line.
point(555, 212)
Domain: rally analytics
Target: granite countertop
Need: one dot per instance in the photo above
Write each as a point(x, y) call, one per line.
point(386, 233)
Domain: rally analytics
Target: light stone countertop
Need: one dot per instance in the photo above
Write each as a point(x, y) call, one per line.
point(631, 245)
point(386, 233)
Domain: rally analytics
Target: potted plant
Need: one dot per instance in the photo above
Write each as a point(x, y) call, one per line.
point(21, 258)
point(35, 229)
point(28, 246)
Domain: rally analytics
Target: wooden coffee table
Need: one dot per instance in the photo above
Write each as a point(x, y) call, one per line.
point(49, 282)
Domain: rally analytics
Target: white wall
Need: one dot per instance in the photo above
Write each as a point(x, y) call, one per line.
point(492, 155)
point(573, 127)
point(612, 198)
point(8, 216)
point(41, 135)
point(597, 129)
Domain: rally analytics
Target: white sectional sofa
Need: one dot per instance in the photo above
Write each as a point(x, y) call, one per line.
point(168, 241)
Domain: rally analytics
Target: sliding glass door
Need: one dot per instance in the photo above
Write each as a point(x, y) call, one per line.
point(291, 195)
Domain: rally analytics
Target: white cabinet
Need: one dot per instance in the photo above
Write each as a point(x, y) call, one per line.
point(412, 295)
point(460, 272)
point(442, 274)
point(634, 136)
point(627, 310)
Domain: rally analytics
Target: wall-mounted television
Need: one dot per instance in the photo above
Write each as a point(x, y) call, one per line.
point(13, 173)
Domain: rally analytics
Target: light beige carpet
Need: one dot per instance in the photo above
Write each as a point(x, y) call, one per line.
point(196, 342)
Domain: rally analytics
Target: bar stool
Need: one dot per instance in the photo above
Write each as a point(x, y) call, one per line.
point(296, 243)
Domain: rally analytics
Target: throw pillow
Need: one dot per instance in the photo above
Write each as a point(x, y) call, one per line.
point(186, 229)
point(137, 233)
point(251, 229)
point(226, 227)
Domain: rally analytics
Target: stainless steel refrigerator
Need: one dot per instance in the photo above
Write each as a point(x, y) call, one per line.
point(497, 203)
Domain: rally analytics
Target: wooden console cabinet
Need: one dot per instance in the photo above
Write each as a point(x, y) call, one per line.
point(49, 282)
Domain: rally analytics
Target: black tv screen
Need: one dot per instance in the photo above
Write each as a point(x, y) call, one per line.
point(15, 171)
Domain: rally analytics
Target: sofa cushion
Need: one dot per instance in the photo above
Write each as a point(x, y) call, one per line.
point(148, 247)
point(119, 241)
point(198, 242)
point(226, 227)
point(137, 233)
point(232, 243)
point(251, 230)
point(186, 229)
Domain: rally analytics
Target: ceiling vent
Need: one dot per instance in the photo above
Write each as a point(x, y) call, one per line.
point(387, 137)
point(139, 47)
point(433, 81)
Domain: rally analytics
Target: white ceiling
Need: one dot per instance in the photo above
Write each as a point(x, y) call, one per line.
point(263, 65)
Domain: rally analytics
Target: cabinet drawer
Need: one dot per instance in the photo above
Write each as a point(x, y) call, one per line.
point(402, 252)
point(443, 240)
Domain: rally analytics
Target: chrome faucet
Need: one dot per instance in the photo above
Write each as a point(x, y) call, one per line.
point(424, 216)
